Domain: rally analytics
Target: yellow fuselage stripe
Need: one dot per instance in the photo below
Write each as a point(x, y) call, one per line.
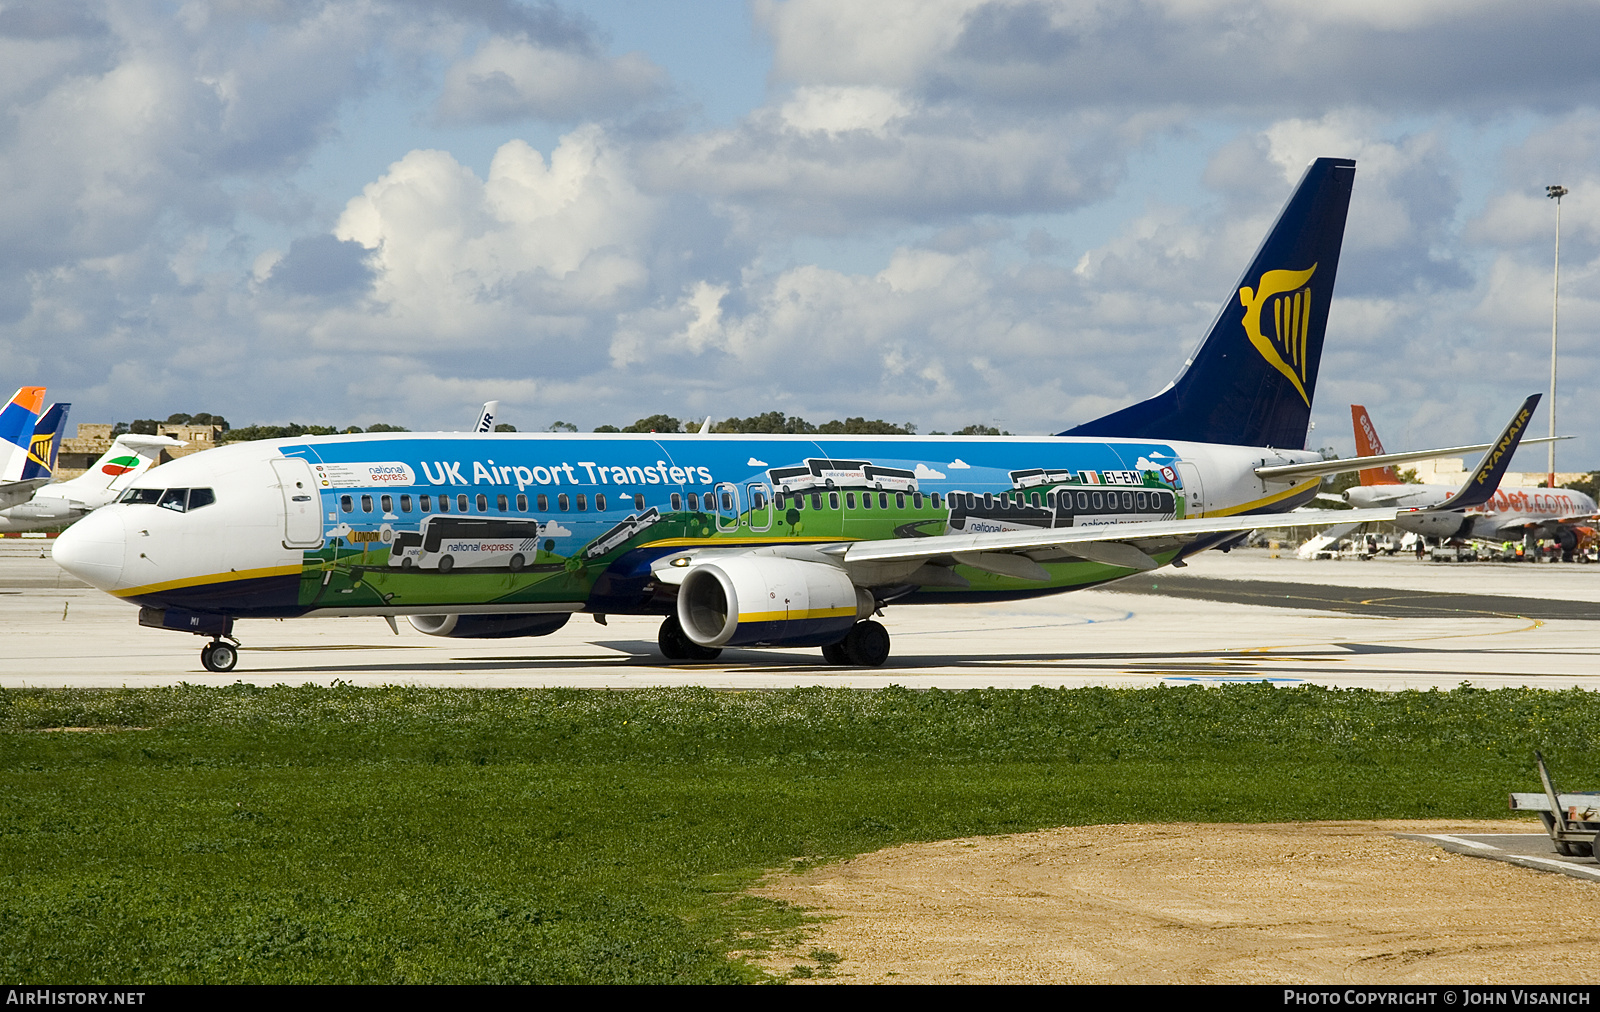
point(1258, 503)
point(200, 581)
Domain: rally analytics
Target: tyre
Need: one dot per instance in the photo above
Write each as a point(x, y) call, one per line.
point(673, 643)
point(219, 656)
point(835, 654)
point(517, 562)
point(407, 563)
point(867, 644)
point(446, 564)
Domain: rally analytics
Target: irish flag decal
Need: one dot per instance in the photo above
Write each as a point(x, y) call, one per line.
point(119, 465)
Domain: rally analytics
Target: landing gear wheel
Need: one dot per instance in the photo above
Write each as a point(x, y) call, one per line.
point(835, 654)
point(678, 647)
point(867, 644)
point(219, 656)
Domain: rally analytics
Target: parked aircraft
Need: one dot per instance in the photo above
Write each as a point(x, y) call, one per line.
point(18, 420)
point(64, 502)
point(690, 526)
point(1552, 514)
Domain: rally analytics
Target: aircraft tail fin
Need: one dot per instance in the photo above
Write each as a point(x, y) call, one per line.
point(486, 417)
point(17, 420)
point(1369, 445)
point(1481, 485)
point(1252, 380)
point(131, 454)
point(46, 443)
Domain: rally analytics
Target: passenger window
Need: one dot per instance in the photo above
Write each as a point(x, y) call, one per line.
point(563, 503)
point(583, 502)
point(694, 502)
point(866, 500)
point(1127, 500)
point(677, 501)
point(883, 500)
point(1096, 501)
point(1036, 499)
point(388, 503)
point(199, 497)
point(461, 502)
point(427, 504)
point(799, 501)
point(1142, 500)
point(405, 504)
point(543, 502)
point(833, 500)
point(522, 503)
point(816, 500)
point(173, 499)
point(638, 502)
point(935, 502)
point(346, 504)
point(501, 503)
point(366, 504)
point(850, 500)
point(600, 501)
point(988, 501)
point(727, 502)
point(1083, 500)
point(899, 500)
point(483, 503)
point(444, 504)
point(916, 500)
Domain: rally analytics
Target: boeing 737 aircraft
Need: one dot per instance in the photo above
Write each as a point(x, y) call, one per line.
point(1513, 514)
point(63, 502)
point(746, 540)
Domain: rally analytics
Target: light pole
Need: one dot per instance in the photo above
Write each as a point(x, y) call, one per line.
point(1554, 193)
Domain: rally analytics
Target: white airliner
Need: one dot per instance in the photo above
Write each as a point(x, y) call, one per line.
point(691, 528)
point(1513, 514)
point(63, 502)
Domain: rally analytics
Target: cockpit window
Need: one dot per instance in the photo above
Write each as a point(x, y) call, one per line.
point(178, 500)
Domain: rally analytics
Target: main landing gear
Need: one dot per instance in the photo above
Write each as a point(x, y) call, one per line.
point(678, 647)
point(219, 655)
point(865, 645)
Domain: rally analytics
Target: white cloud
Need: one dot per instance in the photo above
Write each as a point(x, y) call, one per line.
point(924, 471)
point(753, 462)
point(511, 78)
point(958, 465)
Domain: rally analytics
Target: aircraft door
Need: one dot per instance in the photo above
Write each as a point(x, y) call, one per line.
point(760, 498)
point(727, 506)
point(1194, 490)
point(302, 503)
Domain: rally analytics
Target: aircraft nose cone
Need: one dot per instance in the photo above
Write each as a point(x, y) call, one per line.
point(93, 549)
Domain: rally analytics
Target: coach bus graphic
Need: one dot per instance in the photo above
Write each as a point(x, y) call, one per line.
point(827, 473)
point(630, 526)
point(445, 543)
point(986, 513)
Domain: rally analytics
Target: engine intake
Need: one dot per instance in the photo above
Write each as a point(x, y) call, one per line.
point(769, 602)
point(489, 627)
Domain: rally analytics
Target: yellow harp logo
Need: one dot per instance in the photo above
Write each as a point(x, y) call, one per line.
point(39, 448)
point(1288, 297)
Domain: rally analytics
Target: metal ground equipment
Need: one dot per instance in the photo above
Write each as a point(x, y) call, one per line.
point(1573, 819)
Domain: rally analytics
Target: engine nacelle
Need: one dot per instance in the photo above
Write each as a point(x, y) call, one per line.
point(1434, 523)
point(489, 627)
point(769, 602)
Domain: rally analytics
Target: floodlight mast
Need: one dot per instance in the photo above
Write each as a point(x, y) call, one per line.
point(1555, 192)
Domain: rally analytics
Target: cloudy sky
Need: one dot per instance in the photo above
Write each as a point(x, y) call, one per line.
point(1016, 212)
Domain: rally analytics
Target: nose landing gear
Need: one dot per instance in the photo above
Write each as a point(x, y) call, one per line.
point(219, 655)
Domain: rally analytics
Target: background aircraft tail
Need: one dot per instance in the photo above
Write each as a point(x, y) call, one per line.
point(17, 420)
point(1369, 445)
point(1252, 381)
point(46, 444)
point(130, 455)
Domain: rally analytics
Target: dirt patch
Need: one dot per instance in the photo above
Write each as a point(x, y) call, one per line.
point(1326, 902)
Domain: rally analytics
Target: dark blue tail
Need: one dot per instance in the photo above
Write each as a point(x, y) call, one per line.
point(46, 442)
point(1252, 381)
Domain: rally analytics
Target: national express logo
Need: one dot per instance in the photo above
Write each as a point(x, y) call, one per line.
point(1281, 303)
point(119, 465)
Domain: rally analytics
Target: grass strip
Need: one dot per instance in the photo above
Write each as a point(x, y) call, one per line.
point(306, 834)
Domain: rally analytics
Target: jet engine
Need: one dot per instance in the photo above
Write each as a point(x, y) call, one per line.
point(769, 601)
point(489, 627)
point(1434, 523)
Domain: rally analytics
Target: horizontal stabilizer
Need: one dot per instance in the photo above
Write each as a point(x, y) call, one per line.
point(1322, 468)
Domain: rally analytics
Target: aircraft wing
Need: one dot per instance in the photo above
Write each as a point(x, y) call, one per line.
point(13, 492)
point(1294, 472)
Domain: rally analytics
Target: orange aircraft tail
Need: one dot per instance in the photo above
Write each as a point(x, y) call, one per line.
point(1368, 445)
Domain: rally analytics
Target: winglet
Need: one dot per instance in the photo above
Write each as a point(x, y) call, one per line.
point(1480, 487)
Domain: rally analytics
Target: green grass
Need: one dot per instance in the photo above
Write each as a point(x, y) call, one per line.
point(408, 834)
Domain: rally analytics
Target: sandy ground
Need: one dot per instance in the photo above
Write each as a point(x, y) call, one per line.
point(1332, 902)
